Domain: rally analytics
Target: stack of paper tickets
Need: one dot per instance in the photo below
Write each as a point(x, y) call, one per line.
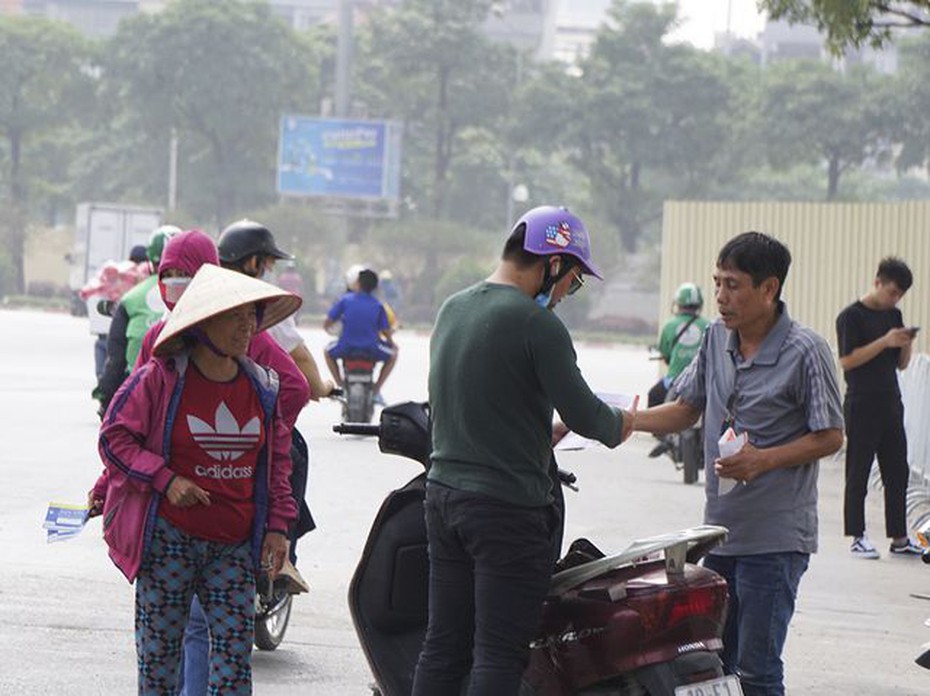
point(63, 521)
point(729, 443)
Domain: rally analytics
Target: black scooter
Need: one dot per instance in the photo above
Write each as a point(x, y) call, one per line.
point(646, 621)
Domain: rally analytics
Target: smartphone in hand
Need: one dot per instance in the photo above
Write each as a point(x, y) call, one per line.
point(912, 330)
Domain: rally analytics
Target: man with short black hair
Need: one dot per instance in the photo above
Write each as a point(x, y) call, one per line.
point(500, 361)
point(763, 375)
point(873, 344)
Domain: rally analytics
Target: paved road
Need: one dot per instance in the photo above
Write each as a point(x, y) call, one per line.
point(66, 612)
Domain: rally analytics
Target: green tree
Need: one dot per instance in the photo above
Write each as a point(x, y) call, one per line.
point(851, 23)
point(221, 73)
point(912, 98)
point(428, 64)
point(43, 82)
point(812, 113)
point(650, 119)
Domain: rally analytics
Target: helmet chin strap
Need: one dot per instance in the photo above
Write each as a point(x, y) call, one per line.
point(549, 280)
point(544, 296)
point(201, 336)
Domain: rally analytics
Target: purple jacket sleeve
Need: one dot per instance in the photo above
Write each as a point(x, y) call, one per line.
point(131, 430)
point(282, 509)
point(294, 391)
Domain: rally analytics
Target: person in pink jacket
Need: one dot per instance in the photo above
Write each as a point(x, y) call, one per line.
point(198, 497)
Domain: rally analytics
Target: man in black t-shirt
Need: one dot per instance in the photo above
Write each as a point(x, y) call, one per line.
point(873, 344)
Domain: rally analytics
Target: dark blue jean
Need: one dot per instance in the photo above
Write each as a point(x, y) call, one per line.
point(762, 593)
point(490, 567)
point(195, 661)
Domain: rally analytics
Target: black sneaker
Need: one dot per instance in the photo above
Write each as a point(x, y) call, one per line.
point(908, 548)
point(660, 449)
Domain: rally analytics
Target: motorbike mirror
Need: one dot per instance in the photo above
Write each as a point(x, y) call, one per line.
point(924, 658)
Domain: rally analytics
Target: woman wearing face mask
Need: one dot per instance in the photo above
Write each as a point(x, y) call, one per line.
point(182, 259)
point(198, 499)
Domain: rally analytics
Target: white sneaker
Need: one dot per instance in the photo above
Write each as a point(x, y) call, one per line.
point(862, 548)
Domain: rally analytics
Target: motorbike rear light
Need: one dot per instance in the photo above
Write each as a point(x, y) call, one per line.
point(676, 604)
point(702, 601)
point(358, 364)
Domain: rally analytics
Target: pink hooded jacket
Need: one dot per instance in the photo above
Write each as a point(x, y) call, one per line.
point(134, 444)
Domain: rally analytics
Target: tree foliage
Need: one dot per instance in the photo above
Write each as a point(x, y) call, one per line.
point(428, 64)
point(852, 23)
point(221, 73)
point(813, 113)
point(912, 99)
point(639, 121)
point(646, 108)
point(43, 83)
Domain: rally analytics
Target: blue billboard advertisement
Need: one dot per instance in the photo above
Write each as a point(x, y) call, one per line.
point(339, 158)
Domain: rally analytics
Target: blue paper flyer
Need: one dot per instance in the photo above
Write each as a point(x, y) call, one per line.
point(64, 521)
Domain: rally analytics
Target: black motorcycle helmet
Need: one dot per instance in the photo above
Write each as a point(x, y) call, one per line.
point(246, 238)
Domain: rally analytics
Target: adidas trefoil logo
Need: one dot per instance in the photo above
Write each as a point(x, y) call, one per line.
point(227, 442)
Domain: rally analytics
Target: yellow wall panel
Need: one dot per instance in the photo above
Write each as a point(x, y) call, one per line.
point(835, 250)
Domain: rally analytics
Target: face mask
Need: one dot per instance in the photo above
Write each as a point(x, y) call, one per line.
point(268, 276)
point(174, 288)
point(544, 298)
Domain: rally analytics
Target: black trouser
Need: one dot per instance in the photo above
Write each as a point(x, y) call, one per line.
point(300, 465)
point(875, 427)
point(490, 567)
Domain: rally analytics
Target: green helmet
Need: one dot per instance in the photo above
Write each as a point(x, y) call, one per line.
point(157, 241)
point(689, 295)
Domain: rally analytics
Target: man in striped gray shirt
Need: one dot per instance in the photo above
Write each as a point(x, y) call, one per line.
point(766, 376)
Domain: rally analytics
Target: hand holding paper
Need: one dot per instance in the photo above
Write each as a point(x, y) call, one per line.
point(64, 521)
point(729, 444)
point(573, 441)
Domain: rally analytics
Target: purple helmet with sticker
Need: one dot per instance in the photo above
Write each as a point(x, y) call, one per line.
point(554, 230)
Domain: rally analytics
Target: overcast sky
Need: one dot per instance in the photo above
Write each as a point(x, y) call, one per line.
point(702, 18)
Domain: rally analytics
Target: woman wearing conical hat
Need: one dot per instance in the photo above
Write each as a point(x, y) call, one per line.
point(198, 497)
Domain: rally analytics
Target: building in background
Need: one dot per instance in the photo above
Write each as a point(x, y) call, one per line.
point(96, 18)
point(529, 25)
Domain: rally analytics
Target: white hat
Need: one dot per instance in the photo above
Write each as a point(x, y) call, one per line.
point(215, 290)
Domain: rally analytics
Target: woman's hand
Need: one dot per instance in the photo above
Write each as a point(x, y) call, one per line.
point(94, 505)
point(274, 551)
point(182, 492)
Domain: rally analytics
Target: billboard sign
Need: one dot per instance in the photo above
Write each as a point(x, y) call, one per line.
point(339, 158)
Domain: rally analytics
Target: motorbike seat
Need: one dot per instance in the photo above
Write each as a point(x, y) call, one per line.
point(579, 552)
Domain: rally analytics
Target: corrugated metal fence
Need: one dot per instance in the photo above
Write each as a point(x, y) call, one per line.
point(835, 249)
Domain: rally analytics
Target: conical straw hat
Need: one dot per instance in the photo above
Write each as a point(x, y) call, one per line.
point(215, 290)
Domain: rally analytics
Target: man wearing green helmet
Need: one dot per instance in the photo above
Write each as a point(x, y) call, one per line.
point(680, 338)
point(138, 309)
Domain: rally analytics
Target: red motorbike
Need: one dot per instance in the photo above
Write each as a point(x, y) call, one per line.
point(645, 621)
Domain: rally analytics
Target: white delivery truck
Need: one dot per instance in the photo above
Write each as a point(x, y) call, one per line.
point(106, 232)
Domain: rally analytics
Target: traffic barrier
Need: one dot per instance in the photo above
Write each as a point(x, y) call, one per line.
point(915, 393)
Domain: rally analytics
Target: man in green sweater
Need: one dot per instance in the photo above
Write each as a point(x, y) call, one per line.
point(500, 362)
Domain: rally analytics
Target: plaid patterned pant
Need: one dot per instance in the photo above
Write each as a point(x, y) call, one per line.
point(177, 566)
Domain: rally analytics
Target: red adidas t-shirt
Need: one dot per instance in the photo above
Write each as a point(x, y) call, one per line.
point(217, 435)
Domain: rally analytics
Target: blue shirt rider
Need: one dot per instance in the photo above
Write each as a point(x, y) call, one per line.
point(366, 330)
